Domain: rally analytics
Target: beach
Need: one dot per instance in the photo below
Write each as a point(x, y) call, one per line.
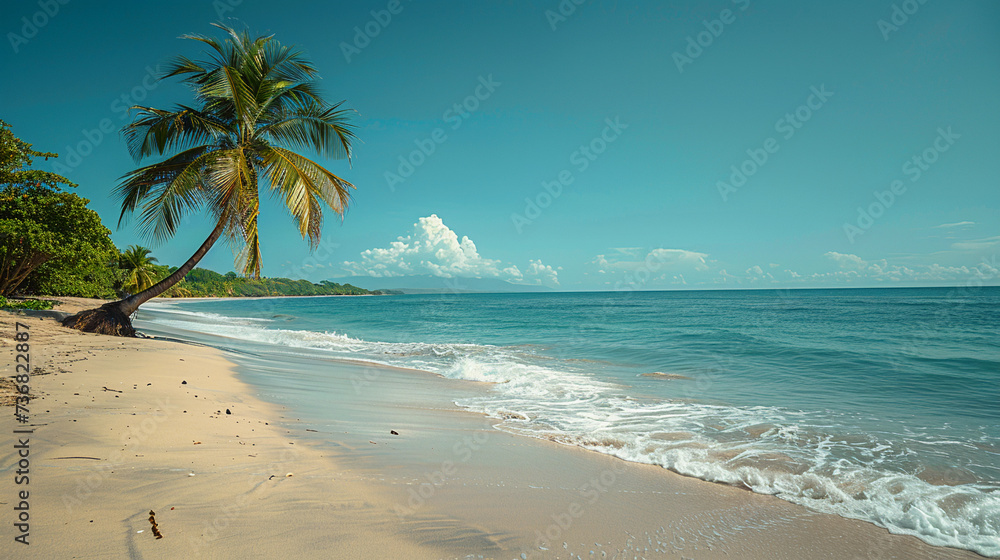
point(123, 427)
point(657, 280)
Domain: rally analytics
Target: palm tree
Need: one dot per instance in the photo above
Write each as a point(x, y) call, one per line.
point(258, 102)
point(178, 291)
point(138, 266)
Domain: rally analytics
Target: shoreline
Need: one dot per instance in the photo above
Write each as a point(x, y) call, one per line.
point(217, 482)
point(482, 499)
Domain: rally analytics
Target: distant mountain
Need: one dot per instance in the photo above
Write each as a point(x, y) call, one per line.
point(427, 284)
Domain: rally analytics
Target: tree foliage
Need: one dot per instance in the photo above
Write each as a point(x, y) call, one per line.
point(24, 246)
point(138, 269)
point(50, 242)
point(16, 159)
point(57, 225)
point(202, 282)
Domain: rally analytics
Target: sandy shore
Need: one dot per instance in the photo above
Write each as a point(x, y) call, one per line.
point(118, 432)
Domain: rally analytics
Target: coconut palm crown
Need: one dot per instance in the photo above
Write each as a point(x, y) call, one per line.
point(258, 108)
point(137, 264)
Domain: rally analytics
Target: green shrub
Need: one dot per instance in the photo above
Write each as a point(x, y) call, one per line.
point(33, 304)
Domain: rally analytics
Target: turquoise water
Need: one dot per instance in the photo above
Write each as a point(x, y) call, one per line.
point(877, 404)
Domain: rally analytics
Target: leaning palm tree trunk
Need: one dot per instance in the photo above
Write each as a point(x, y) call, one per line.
point(113, 318)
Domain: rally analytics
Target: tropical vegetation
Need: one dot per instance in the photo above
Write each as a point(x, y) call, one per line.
point(50, 242)
point(30, 303)
point(258, 107)
point(138, 268)
point(201, 282)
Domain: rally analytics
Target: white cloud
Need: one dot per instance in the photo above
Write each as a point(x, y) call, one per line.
point(726, 277)
point(543, 274)
point(854, 270)
point(636, 267)
point(853, 267)
point(977, 244)
point(433, 248)
point(631, 260)
point(631, 251)
point(846, 261)
point(639, 268)
point(756, 274)
point(955, 225)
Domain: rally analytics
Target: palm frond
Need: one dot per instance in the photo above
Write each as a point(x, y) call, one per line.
point(157, 132)
point(326, 131)
point(137, 186)
point(286, 64)
point(303, 184)
point(233, 190)
point(182, 66)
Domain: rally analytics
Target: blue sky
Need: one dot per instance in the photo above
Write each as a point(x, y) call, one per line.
point(721, 144)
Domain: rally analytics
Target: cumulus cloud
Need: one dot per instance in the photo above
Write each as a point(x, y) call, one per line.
point(433, 248)
point(756, 274)
point(543, 274)
point(846, 261)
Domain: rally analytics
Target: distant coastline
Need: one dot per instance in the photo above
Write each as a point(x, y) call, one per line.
point(202, 282)
point(231, 298)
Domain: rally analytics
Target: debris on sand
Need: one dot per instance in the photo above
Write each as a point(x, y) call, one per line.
point(152, 521)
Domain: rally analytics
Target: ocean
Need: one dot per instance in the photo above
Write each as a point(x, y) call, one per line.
point(874, 404)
